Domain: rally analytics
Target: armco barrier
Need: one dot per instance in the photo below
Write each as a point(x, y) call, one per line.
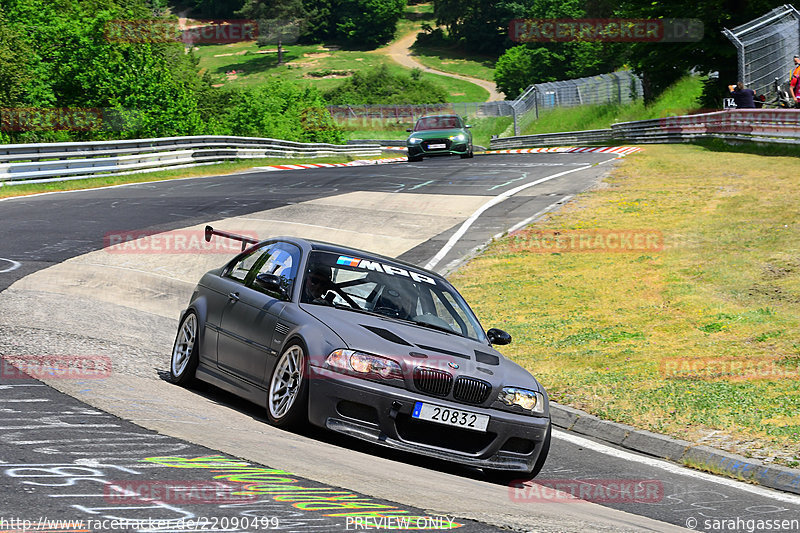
point(734, 125)
point(382, 142)
point(38, 163)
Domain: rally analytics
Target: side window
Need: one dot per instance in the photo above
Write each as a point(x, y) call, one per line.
point(280, 260)
point(242, 268)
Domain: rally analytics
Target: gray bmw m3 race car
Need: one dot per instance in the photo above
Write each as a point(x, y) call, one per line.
point(363, 345)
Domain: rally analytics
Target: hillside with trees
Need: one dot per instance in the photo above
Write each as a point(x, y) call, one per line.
point(481, 26)
point(58, 54)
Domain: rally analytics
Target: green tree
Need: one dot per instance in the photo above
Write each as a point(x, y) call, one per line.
point(367, 22)
point(522, 66)
point(661, 64)
point(479, 25)
point(215, 8)
point(14, 70)
point(278, 20)
point(538, 62)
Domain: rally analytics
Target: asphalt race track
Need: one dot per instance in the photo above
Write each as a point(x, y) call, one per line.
point(64, 294)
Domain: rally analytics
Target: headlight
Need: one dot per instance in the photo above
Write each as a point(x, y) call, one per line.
point(414, 140)
point(460, 137)
point(528, 400)
point(364, 364)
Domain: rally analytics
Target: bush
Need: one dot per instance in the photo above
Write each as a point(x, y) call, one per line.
point(278, 110)
point(380, 86)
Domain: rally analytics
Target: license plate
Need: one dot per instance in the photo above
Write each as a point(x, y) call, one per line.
point(435, 146)
point(450, 416)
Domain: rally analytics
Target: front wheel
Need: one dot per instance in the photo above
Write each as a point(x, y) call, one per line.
point(415, 159)
point(184, 352)
point(287, 399)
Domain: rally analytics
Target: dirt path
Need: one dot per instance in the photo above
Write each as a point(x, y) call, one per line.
point(400, 52)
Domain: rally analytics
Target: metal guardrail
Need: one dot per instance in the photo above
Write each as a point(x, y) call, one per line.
point(552, 139)
point(780, 126)
point(382, 142)
point(47, 162)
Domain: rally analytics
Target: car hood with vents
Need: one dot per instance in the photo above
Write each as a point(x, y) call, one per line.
point(419, 346)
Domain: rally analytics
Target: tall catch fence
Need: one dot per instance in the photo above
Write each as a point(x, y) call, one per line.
point(765, 47)
point(621, 87)
point(410, 112)
point(618, 87)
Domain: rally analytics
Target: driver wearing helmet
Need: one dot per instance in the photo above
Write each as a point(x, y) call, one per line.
point(318, 282)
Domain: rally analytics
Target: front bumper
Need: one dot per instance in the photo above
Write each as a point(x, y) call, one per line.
point(381, 414)
point(418, 150)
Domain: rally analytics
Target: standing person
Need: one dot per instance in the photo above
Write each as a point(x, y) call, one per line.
point(794, 81)
point(741, 96)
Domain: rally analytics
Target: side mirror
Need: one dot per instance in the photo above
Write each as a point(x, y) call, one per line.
point(498, 336)
point(271, 283)
point(409, 130)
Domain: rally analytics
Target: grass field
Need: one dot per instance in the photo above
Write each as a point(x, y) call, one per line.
point(696, 338)
point(455, 61)
point(310, 65)
point(207, 170)
point(679, 99)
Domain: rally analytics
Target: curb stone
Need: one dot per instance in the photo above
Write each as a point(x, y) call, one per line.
point(676, 450)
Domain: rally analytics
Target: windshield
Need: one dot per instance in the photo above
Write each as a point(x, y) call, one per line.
point(437, 123)
point(388, 290)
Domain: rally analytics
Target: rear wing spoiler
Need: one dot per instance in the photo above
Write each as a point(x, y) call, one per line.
point(210, 232)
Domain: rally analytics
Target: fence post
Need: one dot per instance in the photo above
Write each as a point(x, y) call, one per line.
point(516, 126)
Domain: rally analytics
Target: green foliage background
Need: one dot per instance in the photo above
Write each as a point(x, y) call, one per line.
point(57, 54)
point(482, 26)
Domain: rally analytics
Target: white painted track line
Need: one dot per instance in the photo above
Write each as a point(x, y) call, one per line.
point(494, 201)
point(674, 468)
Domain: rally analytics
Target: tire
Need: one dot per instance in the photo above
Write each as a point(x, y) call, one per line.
point(507, 476)
point(415, 159)
point(464, 156)
point(287, 396)
point(471, 153)
point(183, 363)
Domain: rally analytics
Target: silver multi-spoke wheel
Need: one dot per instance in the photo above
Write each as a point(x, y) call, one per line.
point(286, 386)
point(183, 352)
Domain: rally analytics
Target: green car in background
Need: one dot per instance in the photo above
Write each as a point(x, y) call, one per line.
point(439, 135)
